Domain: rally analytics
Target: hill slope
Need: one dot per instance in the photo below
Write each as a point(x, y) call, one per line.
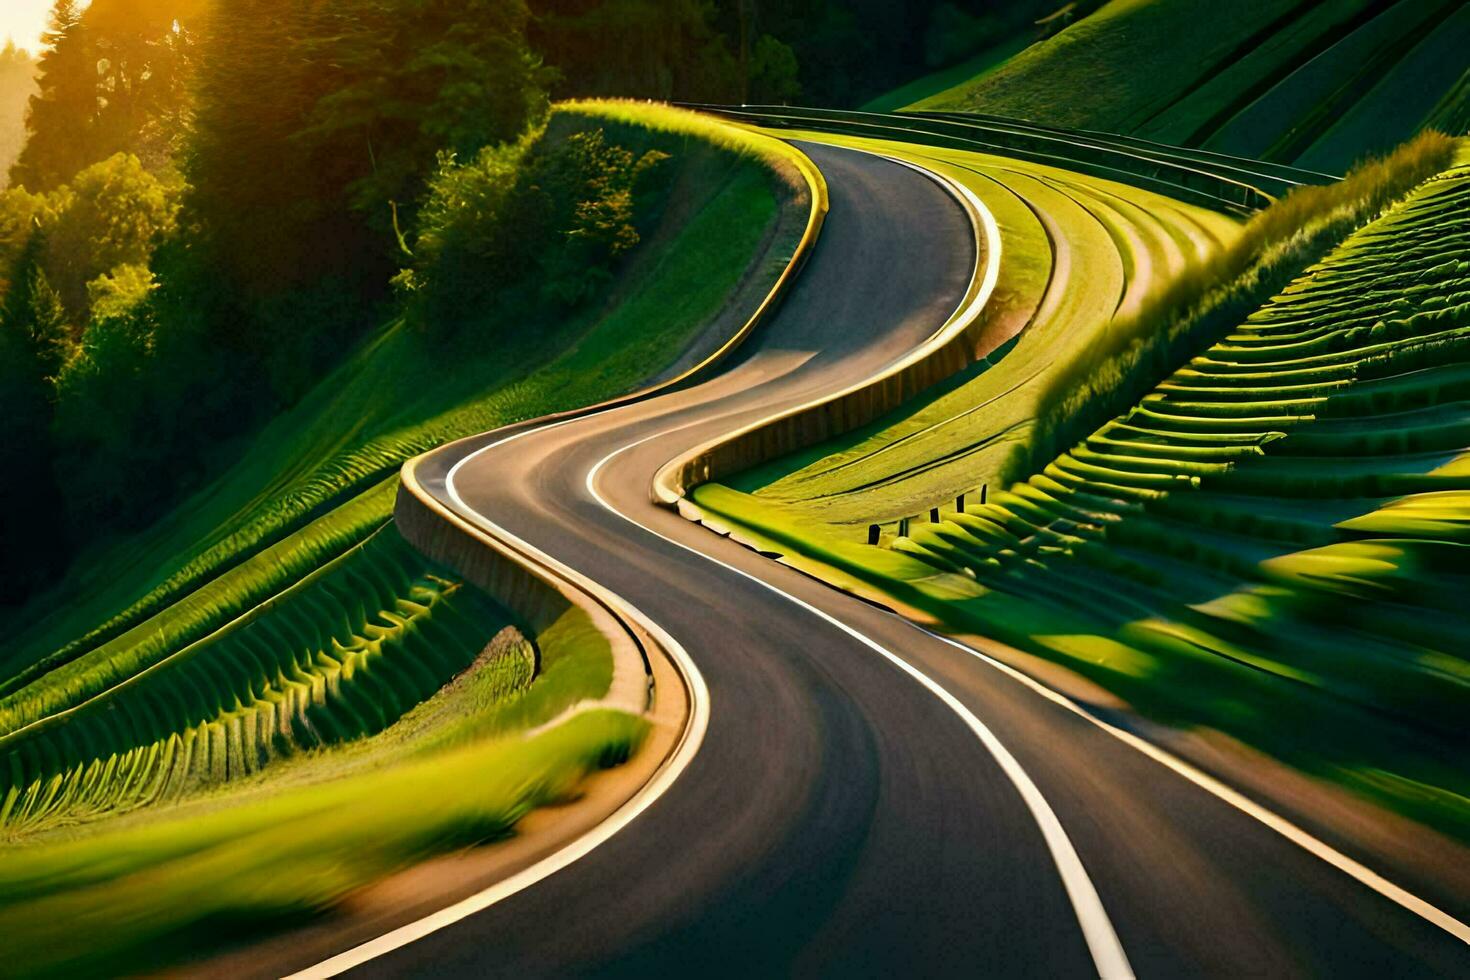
point(275, 649)
point(1319, 85)
point(1276, 531)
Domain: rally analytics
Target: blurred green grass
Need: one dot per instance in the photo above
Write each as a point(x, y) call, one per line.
point(269, 699)
point(1270, 544)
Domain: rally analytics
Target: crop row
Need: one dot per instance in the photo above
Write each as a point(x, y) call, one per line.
point(341, 655)
point(1296, 499)
point(1076, 253)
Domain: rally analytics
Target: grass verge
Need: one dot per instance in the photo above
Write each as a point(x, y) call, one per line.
point(1270, 544)
point(214, 723)
point(1076, 253)
point(1191, 310)
point(149, 895)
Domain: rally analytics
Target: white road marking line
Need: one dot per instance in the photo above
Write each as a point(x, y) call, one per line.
point(1274, 821)
point(699, 697)
point(1215, 787)
point(1102, 940)
point(672, 768)
point(1097, 928)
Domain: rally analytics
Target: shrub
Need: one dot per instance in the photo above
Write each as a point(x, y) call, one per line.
point(120, 293)
point(102, 390)
point(21, 212)
point(112, 214)
point(774, 74)
point(527, 229)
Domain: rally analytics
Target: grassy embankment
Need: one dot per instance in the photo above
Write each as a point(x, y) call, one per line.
point(1276, 531)
point(258, 656)
point(1319, 85)
point(1077, 254)
point(934, 87)
point(1193, 309)
point(152, 889)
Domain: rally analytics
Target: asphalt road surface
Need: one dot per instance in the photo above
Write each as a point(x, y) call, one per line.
point(844, 815)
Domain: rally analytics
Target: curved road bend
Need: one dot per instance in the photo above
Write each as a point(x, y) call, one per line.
point(840, 818)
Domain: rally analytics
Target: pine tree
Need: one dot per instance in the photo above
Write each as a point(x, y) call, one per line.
point(114, 79)
point(33, 316)
point(17, 85)
point(62, 119)
point(144, 52)
point(33, 341)
point(251, 193)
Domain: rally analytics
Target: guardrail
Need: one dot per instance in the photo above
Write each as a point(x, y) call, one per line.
point(536, 593)
point(1215, 181)
point(955, 345)
point(528, 586)
point(1279, 176)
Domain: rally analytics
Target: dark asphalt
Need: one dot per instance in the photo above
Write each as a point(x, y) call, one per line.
point(840, 819)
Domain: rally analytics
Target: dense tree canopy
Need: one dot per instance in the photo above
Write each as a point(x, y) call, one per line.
point(33, 344)
point(824, 52)
point(317, 122)
point(113, 79)
point(62, 118)
point(17, 85)
point(215, 196)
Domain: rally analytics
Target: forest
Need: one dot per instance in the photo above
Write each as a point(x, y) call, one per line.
point(209, 200)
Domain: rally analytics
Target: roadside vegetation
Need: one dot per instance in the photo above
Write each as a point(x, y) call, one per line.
point(1318, 85)
point(204, 411)
point(277, 615)
point(1275, 531)
point(1192, 309)
point(1078, 254)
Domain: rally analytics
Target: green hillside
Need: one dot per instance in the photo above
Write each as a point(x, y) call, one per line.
point(1078, 255)
point(274, 644)
point(1319, 85)
point(1278, 529)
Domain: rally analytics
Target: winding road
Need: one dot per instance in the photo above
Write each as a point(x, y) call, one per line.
point(870, 799)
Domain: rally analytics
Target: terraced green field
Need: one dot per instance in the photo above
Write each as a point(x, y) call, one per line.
point(1076, 252)
point(275, 647)
point(1317, 84)
point(152, 888)
point(1278, 530)
point(340, 655)
point(320, 472)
